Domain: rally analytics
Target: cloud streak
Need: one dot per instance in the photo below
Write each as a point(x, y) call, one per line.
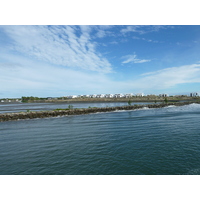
point(133, 59)
point(142, 29)
point(170, 77)
point(69, 46)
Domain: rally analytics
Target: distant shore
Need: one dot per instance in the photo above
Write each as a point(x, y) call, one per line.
point(132, 99)
point(63, 112)
point(149, 98)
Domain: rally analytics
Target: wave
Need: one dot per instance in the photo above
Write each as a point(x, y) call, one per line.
point(171, 106)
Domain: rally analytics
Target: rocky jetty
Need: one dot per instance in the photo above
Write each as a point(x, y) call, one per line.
point(62, 112)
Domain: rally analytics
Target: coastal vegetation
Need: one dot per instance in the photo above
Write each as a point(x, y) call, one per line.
point(31, 98)
point(166, 100)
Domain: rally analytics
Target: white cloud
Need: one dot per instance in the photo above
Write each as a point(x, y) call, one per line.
point(101, 34)
point(132, 29)
point(114, 42)
point(142, 29)
point(133, 59)
point(169, 77)
point(103, 31)
point(23, 77)
point(144, 39)
point(40, 80)
point(61, 45)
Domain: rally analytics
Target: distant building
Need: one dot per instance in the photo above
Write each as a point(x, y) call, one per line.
point(118, 95)
point(163, 95)
point(100, 96)
point(93, 96)
point(128, 95)
point(194, 94)
point(86, 96)
point(139, 94)
point(109, 95)
point(72, 96)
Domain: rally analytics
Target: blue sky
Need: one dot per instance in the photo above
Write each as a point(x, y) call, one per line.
point(70, 60)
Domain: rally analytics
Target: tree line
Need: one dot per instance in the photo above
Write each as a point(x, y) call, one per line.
point(31, 98)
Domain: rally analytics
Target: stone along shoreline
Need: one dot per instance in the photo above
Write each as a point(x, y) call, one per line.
point(81, 111)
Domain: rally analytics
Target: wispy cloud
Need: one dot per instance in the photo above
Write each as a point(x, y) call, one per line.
point(142, 29)
point(144, 39)
point(133, 59)
point(101, 34)
point(169, 77)
point(114, 42)
point(137, 29)
point(69, 46)
point(24, 77)
point(20, 76)
point(103, 31)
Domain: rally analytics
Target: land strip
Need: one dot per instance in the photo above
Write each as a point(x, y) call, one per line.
point(67, 111)
point(133, 99)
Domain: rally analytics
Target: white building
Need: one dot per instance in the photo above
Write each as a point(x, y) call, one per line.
point(118, 95)
point(128, 95)
point(93, 96)
point(139, 95)
point(100, 96)
point(72, 96)
point(109, 95)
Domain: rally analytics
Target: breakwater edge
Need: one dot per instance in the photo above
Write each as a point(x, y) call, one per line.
point(81, 111)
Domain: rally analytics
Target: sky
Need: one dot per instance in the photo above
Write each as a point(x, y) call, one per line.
point(54, 61)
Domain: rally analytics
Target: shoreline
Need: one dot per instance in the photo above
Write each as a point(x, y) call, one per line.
point(81, 111)
point(108, 100)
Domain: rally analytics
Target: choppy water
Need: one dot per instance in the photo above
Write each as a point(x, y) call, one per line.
point(147, 141)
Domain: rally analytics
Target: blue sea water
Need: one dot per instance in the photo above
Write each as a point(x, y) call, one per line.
point(163, 141)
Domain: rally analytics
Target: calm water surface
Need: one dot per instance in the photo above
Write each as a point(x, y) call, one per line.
point(23, 107)
point(140, 142)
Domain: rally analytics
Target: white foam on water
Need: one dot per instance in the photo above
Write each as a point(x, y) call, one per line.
point(194, 107)
point(171, 106)
point(120, 111)
point(145, 108)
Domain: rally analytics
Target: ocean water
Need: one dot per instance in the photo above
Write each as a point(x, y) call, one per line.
point(164, 141)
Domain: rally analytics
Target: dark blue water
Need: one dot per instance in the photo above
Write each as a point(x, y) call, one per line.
point(147, 141)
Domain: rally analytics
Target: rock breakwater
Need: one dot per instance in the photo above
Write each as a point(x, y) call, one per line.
point(63, 112)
